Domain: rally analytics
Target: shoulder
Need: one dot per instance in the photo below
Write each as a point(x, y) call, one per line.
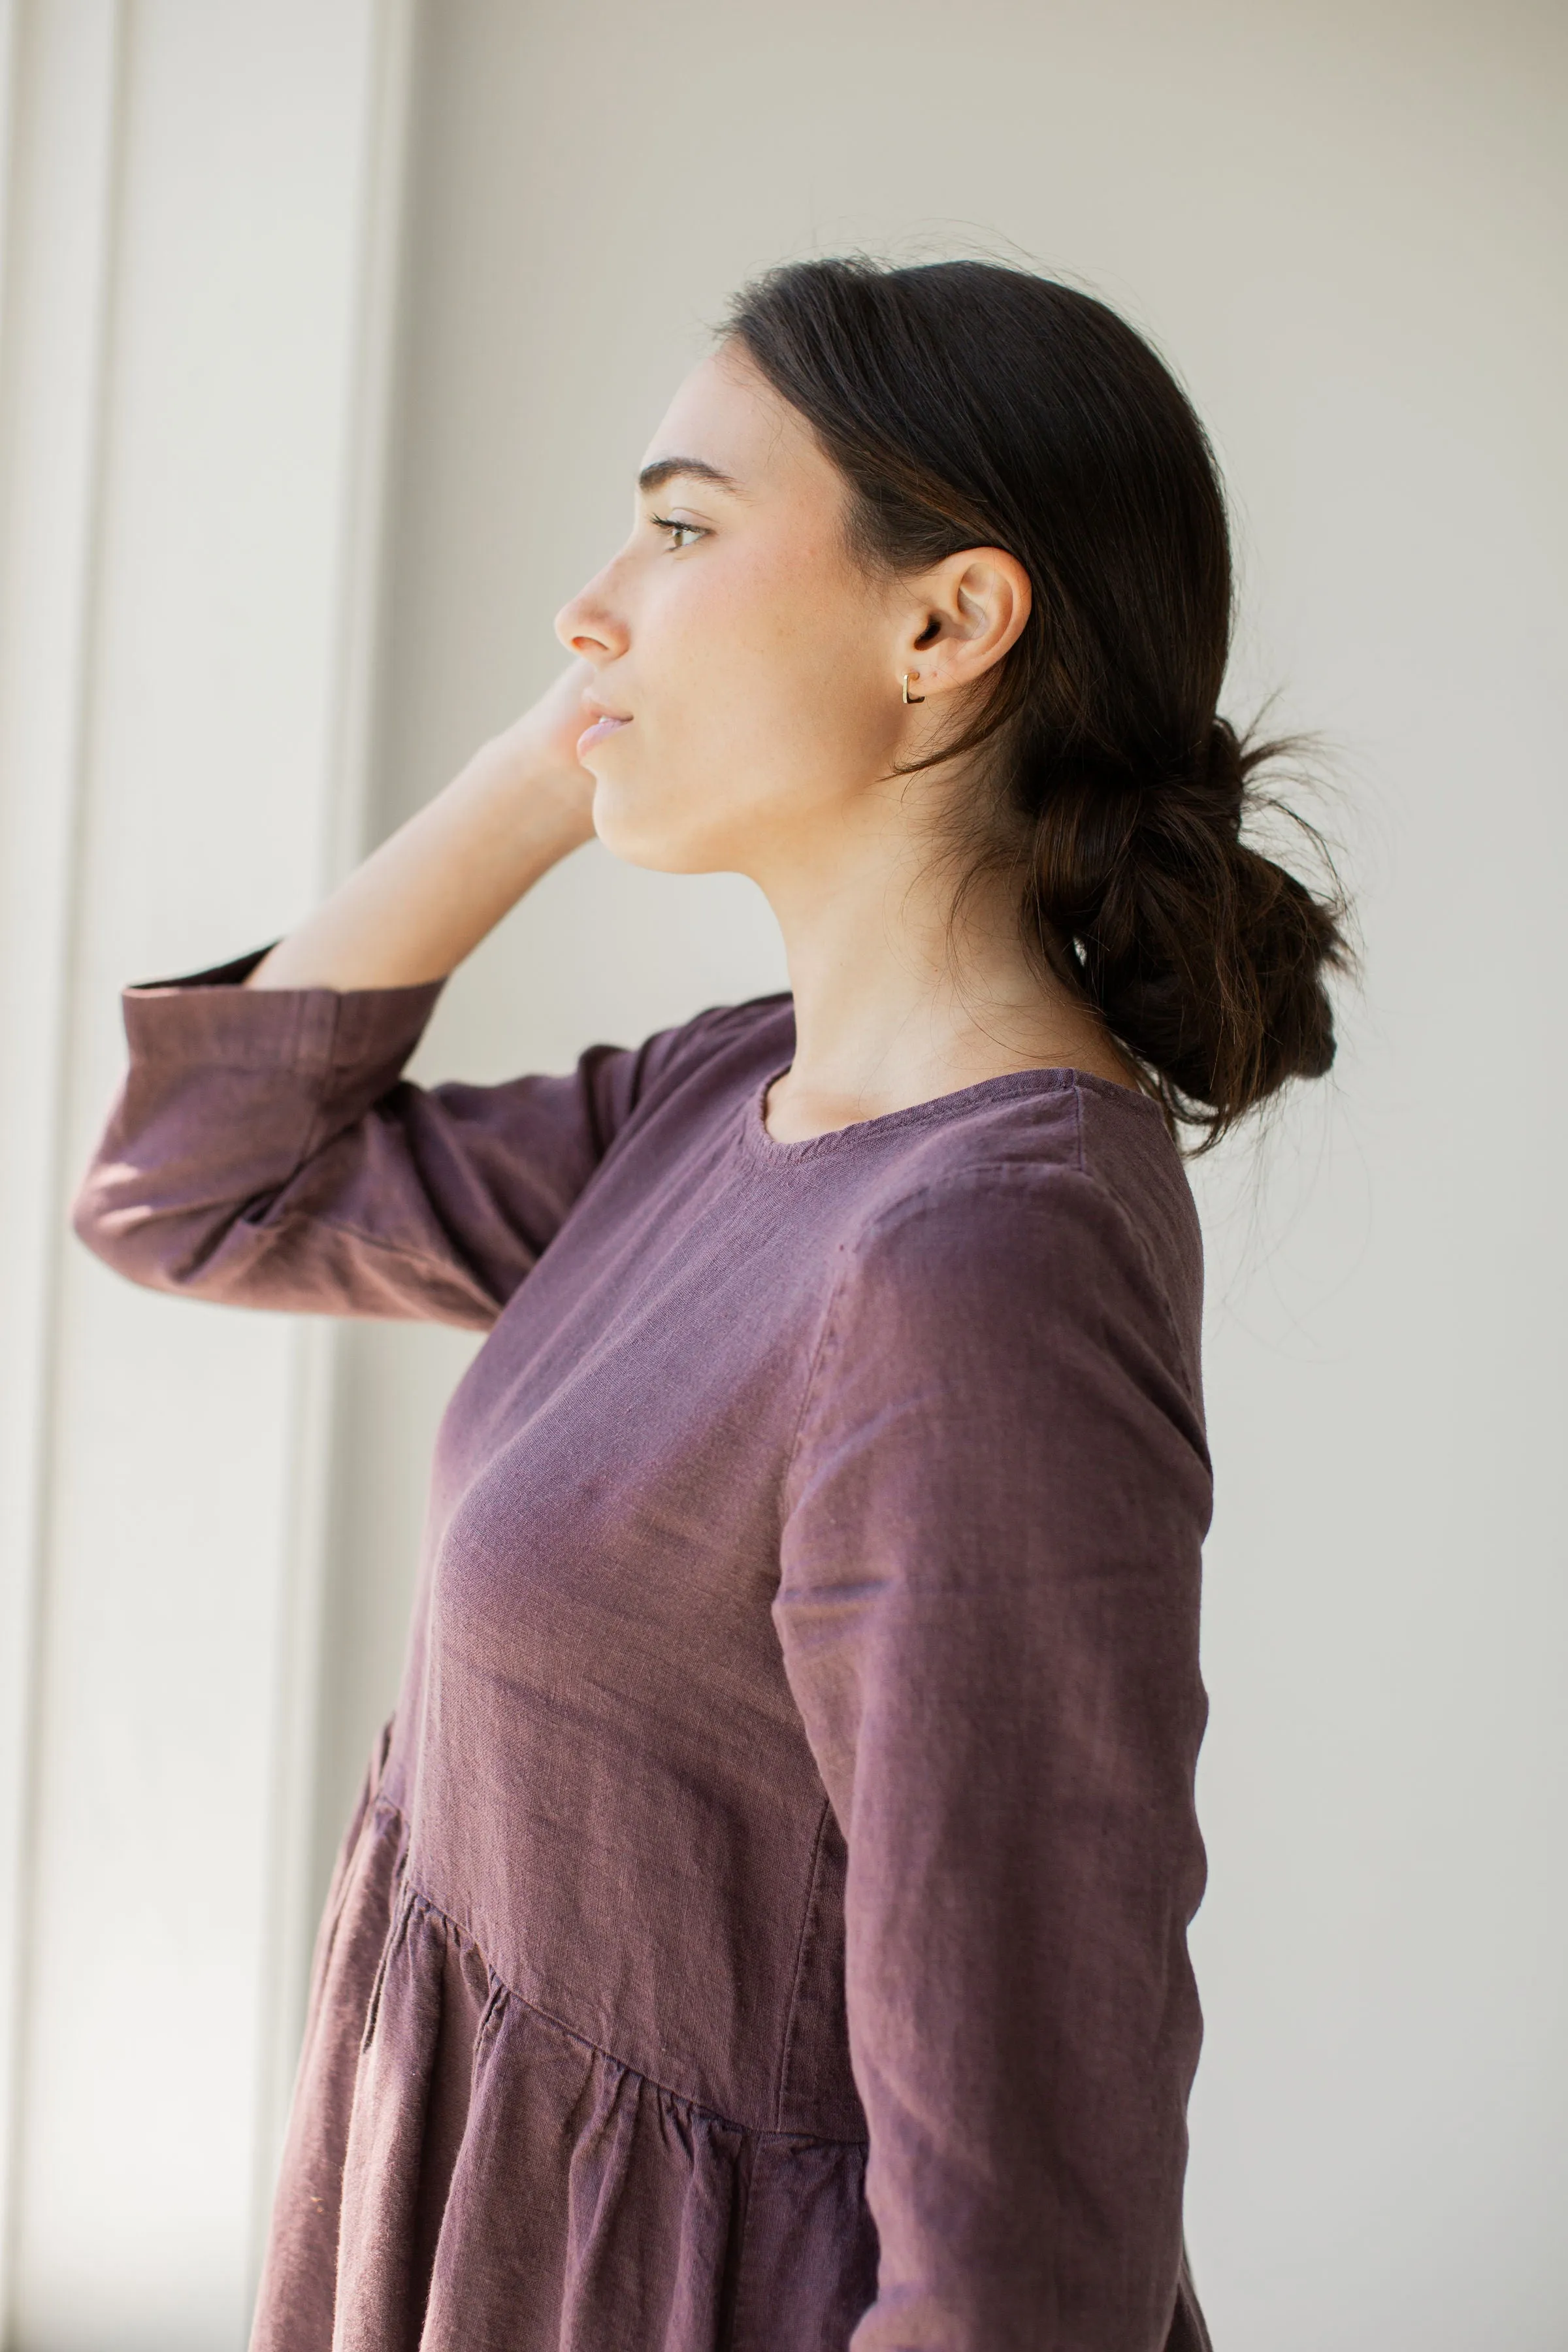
point(1064, 1205)
point(724, 1041)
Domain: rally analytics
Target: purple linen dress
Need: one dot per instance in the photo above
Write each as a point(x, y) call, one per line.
point(763, 1923)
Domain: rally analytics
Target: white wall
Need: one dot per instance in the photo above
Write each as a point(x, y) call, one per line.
point(194, 274)
point(1344, 225)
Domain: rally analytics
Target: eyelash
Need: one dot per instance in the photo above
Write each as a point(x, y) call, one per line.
point(663, 522)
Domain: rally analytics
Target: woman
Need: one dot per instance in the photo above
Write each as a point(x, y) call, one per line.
point(764, 1921)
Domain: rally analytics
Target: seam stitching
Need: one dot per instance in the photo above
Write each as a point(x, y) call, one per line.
point(323, 1069)
point(798, 1972)
point(415, 1898)
point(933, 1191)
point(809, 1386)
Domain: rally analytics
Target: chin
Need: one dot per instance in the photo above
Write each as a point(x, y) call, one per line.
point(639, 839)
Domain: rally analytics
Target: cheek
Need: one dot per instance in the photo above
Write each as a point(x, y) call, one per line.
point(759, 704)
point(765, 663)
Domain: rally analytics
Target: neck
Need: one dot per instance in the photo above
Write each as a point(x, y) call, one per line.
point(900, 997)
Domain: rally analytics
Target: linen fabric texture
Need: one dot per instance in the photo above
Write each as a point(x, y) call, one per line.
point(764, 1925)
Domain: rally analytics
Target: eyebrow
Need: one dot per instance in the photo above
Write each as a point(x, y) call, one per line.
point(654, 478)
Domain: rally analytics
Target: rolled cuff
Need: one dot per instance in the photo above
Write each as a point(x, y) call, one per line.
point(211, 1017)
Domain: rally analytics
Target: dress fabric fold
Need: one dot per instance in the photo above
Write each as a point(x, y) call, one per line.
point(489, 2179)
point(764, 1925)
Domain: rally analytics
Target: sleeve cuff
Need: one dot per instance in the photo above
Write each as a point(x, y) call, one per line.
point(212, 1017)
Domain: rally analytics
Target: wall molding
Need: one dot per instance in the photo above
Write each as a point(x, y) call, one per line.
point(63, 107)
point(318, 1350)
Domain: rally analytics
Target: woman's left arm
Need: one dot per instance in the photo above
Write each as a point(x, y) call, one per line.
point(989, 1611)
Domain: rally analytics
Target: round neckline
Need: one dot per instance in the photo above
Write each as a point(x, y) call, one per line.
point(1038, 1078)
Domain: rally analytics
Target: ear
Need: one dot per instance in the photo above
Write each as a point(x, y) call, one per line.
point(961, 617)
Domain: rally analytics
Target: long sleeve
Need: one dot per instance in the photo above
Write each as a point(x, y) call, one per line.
point(988, 1611)
point(264, 1151)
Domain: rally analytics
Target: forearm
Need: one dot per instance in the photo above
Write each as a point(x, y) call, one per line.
point(430, 893)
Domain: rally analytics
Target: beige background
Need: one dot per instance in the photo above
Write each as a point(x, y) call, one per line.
point(1344, 225)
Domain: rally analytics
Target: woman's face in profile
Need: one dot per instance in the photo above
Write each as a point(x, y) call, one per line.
point(753, 664)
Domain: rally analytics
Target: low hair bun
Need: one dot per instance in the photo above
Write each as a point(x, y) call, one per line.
point(1205, 957)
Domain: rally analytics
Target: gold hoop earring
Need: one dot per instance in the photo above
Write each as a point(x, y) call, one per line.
point(908, 696)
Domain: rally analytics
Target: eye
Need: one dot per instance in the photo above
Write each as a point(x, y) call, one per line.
point(681, 534)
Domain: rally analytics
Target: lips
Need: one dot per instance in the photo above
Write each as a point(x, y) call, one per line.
point(608, 724)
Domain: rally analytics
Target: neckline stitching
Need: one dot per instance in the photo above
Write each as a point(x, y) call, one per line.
point(1007, 1086)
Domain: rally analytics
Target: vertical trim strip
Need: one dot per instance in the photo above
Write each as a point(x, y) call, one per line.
point(316, 1369)
point(45, 42)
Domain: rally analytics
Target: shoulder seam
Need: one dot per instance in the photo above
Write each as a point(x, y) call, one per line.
point(954, 1180)
point(809, 1386)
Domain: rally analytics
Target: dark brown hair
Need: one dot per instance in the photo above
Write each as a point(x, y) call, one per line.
point(972, 404)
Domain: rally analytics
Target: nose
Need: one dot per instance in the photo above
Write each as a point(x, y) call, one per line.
point(589, 626)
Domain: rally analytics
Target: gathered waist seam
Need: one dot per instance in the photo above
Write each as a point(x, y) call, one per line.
point(412, 1894)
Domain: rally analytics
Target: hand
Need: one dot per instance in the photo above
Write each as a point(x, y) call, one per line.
point(426, 897)
point(538, 753)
